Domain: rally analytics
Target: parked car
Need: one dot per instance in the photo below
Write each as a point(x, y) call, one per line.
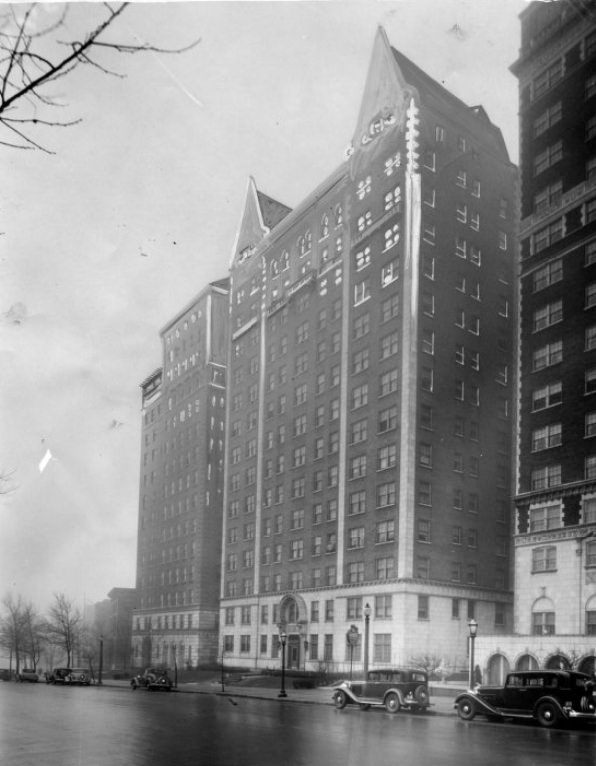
point(58, 676)
point(79, 676)
point(393, 688)
point(28, 674)
point(5, 674)
point(550, 697)
point(153, 679)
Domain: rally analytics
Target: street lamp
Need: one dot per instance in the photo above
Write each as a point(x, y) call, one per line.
point(473, 628)
point(99, 681)
point(282, 639)
point(367, 611)
point(305, 652)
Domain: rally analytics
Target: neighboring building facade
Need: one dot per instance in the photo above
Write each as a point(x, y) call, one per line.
point(555, 534)
point(180, 506)
point(369, 436)
point(113, 624)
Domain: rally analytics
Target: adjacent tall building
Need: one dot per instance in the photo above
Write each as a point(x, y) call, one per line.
point(181, 492)
point(370, 393)
point(555, 529)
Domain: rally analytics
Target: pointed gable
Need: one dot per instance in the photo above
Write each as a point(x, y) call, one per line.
point(260, 214)
point(385, 100)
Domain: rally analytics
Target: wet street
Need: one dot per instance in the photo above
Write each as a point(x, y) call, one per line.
point(54, 726)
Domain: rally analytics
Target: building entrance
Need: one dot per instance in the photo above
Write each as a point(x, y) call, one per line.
point(294, 651)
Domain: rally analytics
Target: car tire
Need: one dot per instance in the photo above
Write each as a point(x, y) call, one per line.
point(547, 714)
point(421, 695)
point(340, 699)
point(465, 709)
point(392, 704)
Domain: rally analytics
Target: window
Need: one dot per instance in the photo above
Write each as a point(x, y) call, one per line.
point(591, 127)
point(591, 554)
point(546, 476)
point(548, 235)
point(549, 196)
point(357, 467)
point(590, 338)
point(363, 258)
point(423, 609)
point(548, 118)
point(425, 455)
point(389, 272)
point(389, 308)
point(429, 233)
point(547, 275)
point(359, 397)
point(549, 157)
point(544, 559)
point(426, 379)
point(355, 572)
point(360, 361)
point(548, 396)
point(361, 326)
point(356, 537)
point(428, 341)
point(547, 437)
point(392, 236)
point(385, 494)
point(389, 345)
point(548, 355)
point(393, 199)
point(547, 79)
point(388, 382)
point(543, 518)
point(550, 314)
point(359, 431)
point(543, 623)
point(357, 503)
point(361, 292)
point(423, 534)
point(590, 424)
point(590, 295)
point(425, 493)
point(387, 419)
point(386, 457)
point(590, 468)
point(385, 531)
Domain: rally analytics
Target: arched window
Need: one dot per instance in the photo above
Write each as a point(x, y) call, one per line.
point(543, 618)
point(526, 662)
point(557, 662)
point(339, 215)
point(324, 226)
point(284, 261)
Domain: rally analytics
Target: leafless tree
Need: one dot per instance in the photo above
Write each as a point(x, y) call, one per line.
point(34, 635)
point(33, 56)
point(64, 624)
point(12, 627)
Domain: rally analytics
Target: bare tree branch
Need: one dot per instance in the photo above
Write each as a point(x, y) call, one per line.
point(27, 68)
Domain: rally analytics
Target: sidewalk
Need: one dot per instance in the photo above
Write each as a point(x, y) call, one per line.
point(441, 698)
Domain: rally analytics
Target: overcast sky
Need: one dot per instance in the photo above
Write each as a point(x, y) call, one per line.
point(105, 240)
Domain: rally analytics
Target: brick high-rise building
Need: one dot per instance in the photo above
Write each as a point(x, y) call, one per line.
point(555, 534)
point(368, 445)
point(181, 492)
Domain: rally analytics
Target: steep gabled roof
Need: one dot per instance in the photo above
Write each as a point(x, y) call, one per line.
point(272, 211)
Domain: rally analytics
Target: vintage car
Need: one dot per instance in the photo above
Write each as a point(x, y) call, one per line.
point(28, 674)
point(80, 676)
point(392, 688)
point(153, 679)
point(58, 676)
point(550, 697)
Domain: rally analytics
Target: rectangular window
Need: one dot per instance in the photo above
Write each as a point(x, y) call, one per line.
point(545, 517)
point(543, 623)
point(547, 275)
point(547, 396)
point(423, 608)
point(544, 559)
point(548, 355)
point(385, 531)
point(548, 315)
point(548, 235)
point(548, 118)
point(382, 648)
point(546, 476)
point(590, 295)
point(590, 424)
point(546, 437)
point(548, 196)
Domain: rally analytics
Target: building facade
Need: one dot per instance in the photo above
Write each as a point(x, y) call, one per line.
point(113, 625)
point(369, 422)
point(181, 493)
point(555, 529)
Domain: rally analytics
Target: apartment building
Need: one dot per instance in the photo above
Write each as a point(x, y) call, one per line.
point(175, 622)
point(369, 411)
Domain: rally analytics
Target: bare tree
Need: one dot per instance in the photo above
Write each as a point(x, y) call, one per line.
point(12, 628)
point(34, 635)
point(33, 56)
point(64, 624)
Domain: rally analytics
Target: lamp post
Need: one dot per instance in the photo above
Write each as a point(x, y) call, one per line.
point(367, 611)
point(99, 681)
point(305, 652)
point(473, 628)
point(282, 639)
point(223, 648)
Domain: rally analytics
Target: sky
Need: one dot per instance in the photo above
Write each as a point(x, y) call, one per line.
point(136, 210)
